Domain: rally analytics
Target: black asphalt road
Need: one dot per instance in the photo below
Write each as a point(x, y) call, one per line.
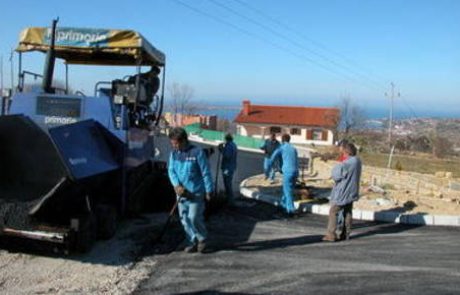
point(253, 250)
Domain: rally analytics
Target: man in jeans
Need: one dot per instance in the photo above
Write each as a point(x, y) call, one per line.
point(269, 147)
point(347, 176)
point(189, 173)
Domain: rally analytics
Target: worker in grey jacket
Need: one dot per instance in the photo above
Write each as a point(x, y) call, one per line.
point(346, 176)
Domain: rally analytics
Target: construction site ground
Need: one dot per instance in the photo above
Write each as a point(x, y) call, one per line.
point(253, 250)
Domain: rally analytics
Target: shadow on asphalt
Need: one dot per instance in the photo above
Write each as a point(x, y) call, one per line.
point(212, 292)
point(382, 229)
point(277, 243)
point(230, 229)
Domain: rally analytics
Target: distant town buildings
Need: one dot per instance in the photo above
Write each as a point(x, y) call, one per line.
point(306, 125)
point(180, 120)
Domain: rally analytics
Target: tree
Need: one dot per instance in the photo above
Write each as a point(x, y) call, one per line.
point(181, 99)
point(352, 116)
point(441, 146)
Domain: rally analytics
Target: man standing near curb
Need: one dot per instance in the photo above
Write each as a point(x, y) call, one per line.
point(347, 177)
point(189, 173)
point(269, 147)
point(290, 170)
point(229, 154)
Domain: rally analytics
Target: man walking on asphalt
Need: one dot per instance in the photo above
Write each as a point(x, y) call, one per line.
point(189, 173)
point(290, 170)
point(346, 175)
point(269, 147)
point(229, 154)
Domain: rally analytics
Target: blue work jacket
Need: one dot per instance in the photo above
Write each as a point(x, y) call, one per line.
point(347, 176)
point(269, 147)
point(229, 154)
point(290, 161)
point(190, 169)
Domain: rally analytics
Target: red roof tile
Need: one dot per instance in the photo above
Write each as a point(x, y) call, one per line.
point(284, 115)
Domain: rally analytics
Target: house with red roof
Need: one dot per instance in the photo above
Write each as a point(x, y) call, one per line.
point(306, 125)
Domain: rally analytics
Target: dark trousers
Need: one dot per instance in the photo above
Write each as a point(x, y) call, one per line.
point(228, 179)
point(347, 216)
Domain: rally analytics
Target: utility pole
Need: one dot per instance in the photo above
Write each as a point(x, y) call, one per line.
point(12, 70)
point(390, 123)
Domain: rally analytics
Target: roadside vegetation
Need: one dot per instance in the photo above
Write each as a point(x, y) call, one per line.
point(422, 163)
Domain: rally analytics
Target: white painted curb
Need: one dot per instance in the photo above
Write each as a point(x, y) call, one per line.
point(385, 216)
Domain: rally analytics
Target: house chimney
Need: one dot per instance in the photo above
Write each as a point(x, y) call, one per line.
point(246, 107)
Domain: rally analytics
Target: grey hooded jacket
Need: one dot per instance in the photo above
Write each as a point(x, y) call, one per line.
point(346, 176)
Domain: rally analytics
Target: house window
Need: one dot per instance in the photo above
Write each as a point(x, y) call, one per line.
point(274, 129)
point(295, 131)
point(317, 134)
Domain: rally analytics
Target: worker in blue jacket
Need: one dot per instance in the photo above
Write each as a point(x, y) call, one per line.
point(269, 147)
point(290, 170)
point(229, 154)
point(191, 177)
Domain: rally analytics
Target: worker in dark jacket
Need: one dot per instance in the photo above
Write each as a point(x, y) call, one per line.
point(269, 146)
point(229, 154)
point(290, 170)
point(189, 173)
point(346, 176)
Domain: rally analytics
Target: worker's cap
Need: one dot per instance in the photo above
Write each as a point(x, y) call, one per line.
point(341, 142)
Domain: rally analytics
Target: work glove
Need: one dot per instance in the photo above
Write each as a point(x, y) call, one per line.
point(220, 147)
point(179, 189)
point(208, 197)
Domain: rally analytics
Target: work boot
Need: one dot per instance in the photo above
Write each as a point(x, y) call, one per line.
point(344, 236)
point(293, 215)
point(329, 238)
point(190, 248)
point(201, 246)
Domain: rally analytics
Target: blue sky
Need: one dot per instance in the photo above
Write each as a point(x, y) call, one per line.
point(276, 52)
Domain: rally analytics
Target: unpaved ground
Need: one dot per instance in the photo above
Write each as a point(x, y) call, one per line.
point(111, 267)
point(392, 199)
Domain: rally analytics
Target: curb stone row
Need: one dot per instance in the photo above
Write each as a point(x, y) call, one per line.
point(384, 216)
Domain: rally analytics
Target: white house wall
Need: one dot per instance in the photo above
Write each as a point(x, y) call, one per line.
point(257, 131)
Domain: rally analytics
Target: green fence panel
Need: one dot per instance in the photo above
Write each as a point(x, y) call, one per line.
point(247, 141)
point(193, 128)
point(212, 135)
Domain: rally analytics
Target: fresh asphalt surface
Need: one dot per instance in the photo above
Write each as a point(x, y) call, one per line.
point(254, 250)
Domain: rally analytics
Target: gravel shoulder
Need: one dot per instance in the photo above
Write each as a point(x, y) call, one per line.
point(111, 267)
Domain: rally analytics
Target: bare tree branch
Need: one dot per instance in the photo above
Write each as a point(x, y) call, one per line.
point(352, 116)
point(180, 101)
